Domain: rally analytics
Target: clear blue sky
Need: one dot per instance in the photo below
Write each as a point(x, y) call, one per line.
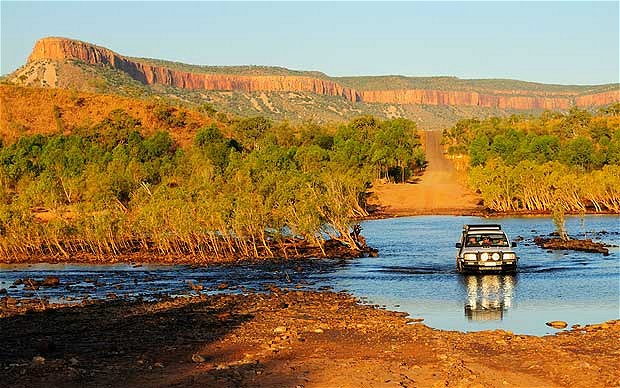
point(554, 42)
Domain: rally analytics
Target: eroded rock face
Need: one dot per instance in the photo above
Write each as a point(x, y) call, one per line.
point(442, 97)
point(63, 49)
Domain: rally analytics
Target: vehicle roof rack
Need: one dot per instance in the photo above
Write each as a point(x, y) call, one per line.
point(482, 227)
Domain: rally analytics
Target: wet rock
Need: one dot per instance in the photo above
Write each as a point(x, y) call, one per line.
point(51, 281)
point(197, 358)
point(31, 284)
point(18, 282)
point(557, 324)
point(195, 287)
point(3, 291)
point(222, 286)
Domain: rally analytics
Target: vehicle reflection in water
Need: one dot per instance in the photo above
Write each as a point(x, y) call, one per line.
point(488, 296)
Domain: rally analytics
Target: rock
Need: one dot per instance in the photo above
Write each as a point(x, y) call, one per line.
point(557, 324)
point(197, 358)
point(31, 284)
point(51, 281)
point(318, 331)
point(45, 345)
point(195, 287)
point(279, 330)
point(38, 360)
point(158, 365)
point(73, 361)
point(222, 286)
point(223, 316)
point(3, 291)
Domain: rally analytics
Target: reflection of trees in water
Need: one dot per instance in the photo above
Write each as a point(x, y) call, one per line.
point(488, 296)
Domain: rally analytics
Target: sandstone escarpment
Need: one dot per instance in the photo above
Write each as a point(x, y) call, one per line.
point(443, 97)
point(61, 49)
point(147, 73)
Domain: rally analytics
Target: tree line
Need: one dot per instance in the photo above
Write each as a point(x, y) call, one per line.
point(570, 161)
point(242, 190)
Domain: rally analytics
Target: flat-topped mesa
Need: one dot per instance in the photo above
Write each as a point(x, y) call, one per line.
point(448, 97)
point(64, 49)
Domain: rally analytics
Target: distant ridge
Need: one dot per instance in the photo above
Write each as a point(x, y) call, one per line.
point(450, 91)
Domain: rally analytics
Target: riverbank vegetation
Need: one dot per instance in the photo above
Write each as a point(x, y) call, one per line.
point(251, 189)
point(568, 160)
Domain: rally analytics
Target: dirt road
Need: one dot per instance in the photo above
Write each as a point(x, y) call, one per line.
point(437, 191)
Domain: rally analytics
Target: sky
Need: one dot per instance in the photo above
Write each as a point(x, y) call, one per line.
point(549, 42)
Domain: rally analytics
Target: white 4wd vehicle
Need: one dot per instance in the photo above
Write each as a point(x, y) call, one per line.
point(485, 248)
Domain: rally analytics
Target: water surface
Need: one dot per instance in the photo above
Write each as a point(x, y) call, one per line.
point(414, 273)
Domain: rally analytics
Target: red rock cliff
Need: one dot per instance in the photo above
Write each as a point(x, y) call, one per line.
point(62, 49)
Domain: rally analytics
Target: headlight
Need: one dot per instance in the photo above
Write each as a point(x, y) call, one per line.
point(484, 256)
point(509, 256)
point(495, 256)
point(469, 256)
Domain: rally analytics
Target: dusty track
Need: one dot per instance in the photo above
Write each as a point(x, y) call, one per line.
point(437, 191)
point(285, 339)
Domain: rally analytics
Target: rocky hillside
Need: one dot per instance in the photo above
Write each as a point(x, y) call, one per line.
point(28, 111)
point(282, 93)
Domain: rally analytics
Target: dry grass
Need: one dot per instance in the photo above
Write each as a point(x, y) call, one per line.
point(27, 111)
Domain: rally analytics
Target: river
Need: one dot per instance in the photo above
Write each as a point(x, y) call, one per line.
point(415, 273)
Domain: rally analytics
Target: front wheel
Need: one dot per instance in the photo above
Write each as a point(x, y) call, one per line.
point(459, 266)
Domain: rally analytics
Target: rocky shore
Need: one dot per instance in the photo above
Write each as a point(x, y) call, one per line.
point(283, 338)
point(586, 245)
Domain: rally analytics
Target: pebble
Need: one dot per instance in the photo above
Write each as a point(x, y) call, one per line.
point(73, 361)
point(318, 331)
point(197, 358)
point(195, 287)
point(38, 360)
point(279, 330)
point(557, 324)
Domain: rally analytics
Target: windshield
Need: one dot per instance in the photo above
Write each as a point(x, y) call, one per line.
point(486, 240)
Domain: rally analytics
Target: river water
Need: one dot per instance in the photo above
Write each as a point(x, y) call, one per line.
point(415, 273)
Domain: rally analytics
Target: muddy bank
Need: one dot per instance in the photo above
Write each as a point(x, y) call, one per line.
point(383, 212)
point(295, 249)
point(284, 339)
point(573, 244)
